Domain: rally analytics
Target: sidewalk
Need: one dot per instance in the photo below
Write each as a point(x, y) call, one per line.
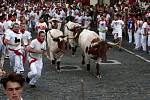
point(129, 47)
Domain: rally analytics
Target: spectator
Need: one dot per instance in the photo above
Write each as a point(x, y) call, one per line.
point(13, 84)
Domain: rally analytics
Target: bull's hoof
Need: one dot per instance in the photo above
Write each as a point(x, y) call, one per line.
point(73, 55)
point(58, 71)
point(83, 62)
point(98, 76)
point(53, 62)
point(88, 67)
point(120, 49)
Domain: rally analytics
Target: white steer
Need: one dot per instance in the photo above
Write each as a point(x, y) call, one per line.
point(56, 45)
point(70, 32)
point(92, 47)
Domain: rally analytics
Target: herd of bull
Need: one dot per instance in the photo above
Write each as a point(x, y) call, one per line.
point(92, 46)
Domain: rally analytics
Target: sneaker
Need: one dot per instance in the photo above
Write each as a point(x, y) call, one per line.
point(27, 79)
point(32, 86)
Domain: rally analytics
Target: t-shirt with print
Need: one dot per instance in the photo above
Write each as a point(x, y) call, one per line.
point(14, 38)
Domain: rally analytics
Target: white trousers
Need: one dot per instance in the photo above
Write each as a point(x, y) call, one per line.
point(137, 38)
point(144, 42)
point(16, 62)
point(35, 71)
point(2, 59)
point(102, 35)
point(2, 51)
point(149, 40)
point(130, 35)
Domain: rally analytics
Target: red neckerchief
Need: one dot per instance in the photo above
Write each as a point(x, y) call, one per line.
point(32, 61)
point(7, 20)
point(22, 31)
point(39, 40)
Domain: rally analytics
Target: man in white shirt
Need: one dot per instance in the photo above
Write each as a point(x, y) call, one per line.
point(13, 41)
point(117, 26)
point(26, 35)
point(26, 38)
point(8, 22)
point(41, 25)
point(102, 28)
point(146, 35)
point(59, 17)
point(137, 33)
point(36, 49)
point(79, 19)
point(87, 21)
point(2, 46)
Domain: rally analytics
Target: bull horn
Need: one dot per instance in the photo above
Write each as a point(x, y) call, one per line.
point(113, 44)
point(95, 44)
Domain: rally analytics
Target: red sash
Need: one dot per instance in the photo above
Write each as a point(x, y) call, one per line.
point(32, 61)
point(19, 54)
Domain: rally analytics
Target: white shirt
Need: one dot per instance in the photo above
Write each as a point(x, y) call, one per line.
point(79, 19)
point(13, 38)
point(1, 28)
point(87, 21)
point(73, 12)
point(41, 26)
point(1, 33)
point(59, 17)
point(138, 24)
point(145, 26)
point(102, 26)
point(36, 45)
point(25, 37)
point(62, 13)
point(117, 25)
point(20, 99)
point(7, 24)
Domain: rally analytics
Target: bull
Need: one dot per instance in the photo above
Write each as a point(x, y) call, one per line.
point(93, 47)
point(70, 30)
point(56, 45)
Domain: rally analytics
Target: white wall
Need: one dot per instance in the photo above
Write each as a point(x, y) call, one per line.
point(106, 2)
point(93, 2)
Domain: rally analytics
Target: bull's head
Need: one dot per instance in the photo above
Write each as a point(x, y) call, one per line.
point(53, 23)
point(99, 49)
point(61, 41)
point(76, 32)
point(75, 28)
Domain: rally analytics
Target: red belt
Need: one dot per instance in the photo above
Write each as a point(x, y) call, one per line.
point(19, 54)
point(32, 61)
